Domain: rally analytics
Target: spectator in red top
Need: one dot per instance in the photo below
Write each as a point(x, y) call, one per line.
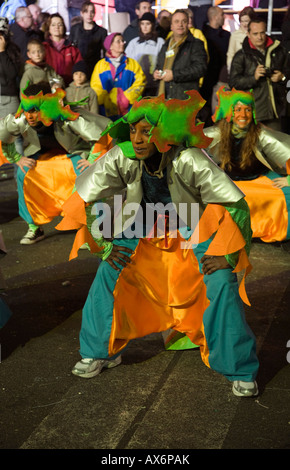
point(60, 53)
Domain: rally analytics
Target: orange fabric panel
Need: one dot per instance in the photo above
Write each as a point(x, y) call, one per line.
point(51, 183)
point(228, 239)
point(104, 144)
point(47, 186)
point(268, 209)
point(74, 215)
point(182, 296)
point(75, 219)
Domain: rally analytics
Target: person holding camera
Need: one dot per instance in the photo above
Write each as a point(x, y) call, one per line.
point(262, 65)
point(182, 61)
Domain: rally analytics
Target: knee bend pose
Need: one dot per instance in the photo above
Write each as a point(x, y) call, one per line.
point(173, 269)
point(58, 144)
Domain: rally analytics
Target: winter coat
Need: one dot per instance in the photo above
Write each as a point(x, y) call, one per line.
point(62, 61)
point(146, 53)
point(270, 97)
point(117, 89)
point(34, 74)
point(76, 93)
point(218, 43)
point(8, 76)
point(89, 42)
point(189, 66)
point(285, 28)
point(235, 44)
point(132, 31)
point(21, 37)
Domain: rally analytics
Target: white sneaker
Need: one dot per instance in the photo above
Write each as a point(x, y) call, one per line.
point(245, 389)
point(88, 368)
point(32, 236)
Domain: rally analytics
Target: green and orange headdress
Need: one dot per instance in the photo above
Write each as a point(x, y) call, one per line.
point(173, 123)
point(49, 106)
point(227, 101)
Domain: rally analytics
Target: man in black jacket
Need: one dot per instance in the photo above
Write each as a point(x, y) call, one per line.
point(217, 42)
point(132, 31)
point(23, 31)
point(182, 60)
point(262, 65)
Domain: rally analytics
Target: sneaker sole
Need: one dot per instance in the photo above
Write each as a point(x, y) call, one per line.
point(26, 241)
point(238, 394)
point(92, 374)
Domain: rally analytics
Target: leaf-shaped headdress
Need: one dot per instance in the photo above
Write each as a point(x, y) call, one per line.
point(227, 101)
point(173, 122)
point(49, 106)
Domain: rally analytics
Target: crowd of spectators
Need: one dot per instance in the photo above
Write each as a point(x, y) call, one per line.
point(106, 73)
point(165, 54)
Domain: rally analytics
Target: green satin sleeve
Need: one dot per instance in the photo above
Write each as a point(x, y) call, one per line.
point(98, 238)
point(93, 156)
point(240, 213)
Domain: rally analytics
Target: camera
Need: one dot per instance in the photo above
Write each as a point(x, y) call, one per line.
point(268, 72)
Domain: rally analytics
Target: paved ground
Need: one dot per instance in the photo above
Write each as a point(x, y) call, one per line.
point(156, 399)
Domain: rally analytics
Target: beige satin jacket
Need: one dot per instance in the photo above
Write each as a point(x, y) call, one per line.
point(77, 137)
point(273, 148)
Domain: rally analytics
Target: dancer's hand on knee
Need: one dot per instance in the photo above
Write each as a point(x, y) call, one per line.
point(25, 161)
point(117, 256)
point(280, 182)
point(210, 264)
point(83, 164)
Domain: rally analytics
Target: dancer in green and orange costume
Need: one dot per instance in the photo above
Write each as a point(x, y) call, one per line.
point(58, 145)
point(153, 276)
point(257, 159)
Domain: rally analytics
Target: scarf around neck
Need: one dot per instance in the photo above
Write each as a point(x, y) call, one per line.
point(239, 133)
point(169, 59)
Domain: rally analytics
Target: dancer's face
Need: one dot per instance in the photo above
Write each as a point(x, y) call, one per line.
point(32, 117)
point(243, 115)
point(139, 135)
